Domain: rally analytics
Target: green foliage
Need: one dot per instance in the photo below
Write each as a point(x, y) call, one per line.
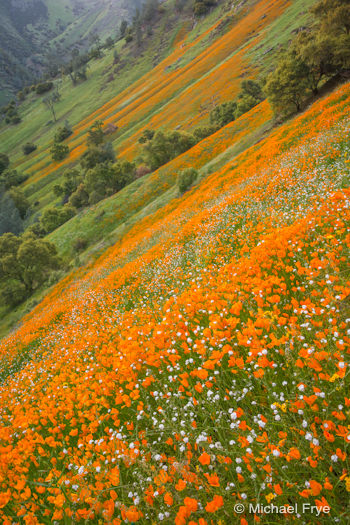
point(10, 218)
point(165, 146)
point(224, 113)
point(25, 263)
point(287, 85)
point(251, 88)
point(11, 178)
point(202, 7)
point(4, 162)
point(147, 135)
point(71, 180)
point(53, 218)
point(96, 137)
point(123, 28)
point(315, 56)
point(63, 132)
point(245, 104)
point(28, 148)
point(21, 202)
point(186, 178)
point(14, 292)
point(79, 198)
point(10, 113)
point(105, 179)
point(43, 87)
point(97, 155)
point(203, 132)
point(77, 67)
point(59, 151)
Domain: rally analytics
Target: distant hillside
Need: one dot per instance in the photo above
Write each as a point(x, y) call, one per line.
point(32, 29)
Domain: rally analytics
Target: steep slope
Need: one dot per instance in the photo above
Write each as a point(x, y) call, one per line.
point(199, 366)
point(30, 29)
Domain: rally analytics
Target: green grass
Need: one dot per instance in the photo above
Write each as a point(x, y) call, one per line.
point(279, 33)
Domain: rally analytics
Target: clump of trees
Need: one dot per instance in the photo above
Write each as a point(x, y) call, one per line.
point(10, 178)
point(315, 55)
point(25, 264)
point(10, 113)
point(100, 175)
point(250, 95)
point(160, 147)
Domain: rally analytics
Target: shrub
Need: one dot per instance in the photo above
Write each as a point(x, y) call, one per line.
point(43, 87)
point(203, 132)
point(4, 162)
point(142, 170)
point(80, 244)
point(224, 113)
point(29, 148)
point(20, 200)
point(186, 179)
point(59, 151)
point(95, 155)
point(202, 7)
point(12, 178)
point(53, 218)
point(165, 146)
point(13, 292)
point(63, 133)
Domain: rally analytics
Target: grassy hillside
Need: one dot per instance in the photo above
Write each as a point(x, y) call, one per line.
point(179, 68)
point(193, 359)
point(30, 29)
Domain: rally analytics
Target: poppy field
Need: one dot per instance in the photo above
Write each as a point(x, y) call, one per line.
point(202, 362)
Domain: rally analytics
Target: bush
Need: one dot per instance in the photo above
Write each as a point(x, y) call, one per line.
point(25, 263)
point(203, 132)
point(186, 179)
point(43, 87)
point(4, 162)
point(142, 170)
point(79, 198)
point(202, 7)
point(80, 244)
point(12, 178)
point(59, 151)
point(13, 292)
point(165, 146)
point(95, 155)
point(29, 148)
point(224, 113)
point(20, 200)
point(53, 218)
point(63, 133)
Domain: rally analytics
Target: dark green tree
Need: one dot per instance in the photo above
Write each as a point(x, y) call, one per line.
point(59, 151)
point(96, 137)
point(4, 162)
point(287, 86)
point(21, 202)
point(223, 114)
point(10, 218)
point(166, 146)
point(97, 155)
